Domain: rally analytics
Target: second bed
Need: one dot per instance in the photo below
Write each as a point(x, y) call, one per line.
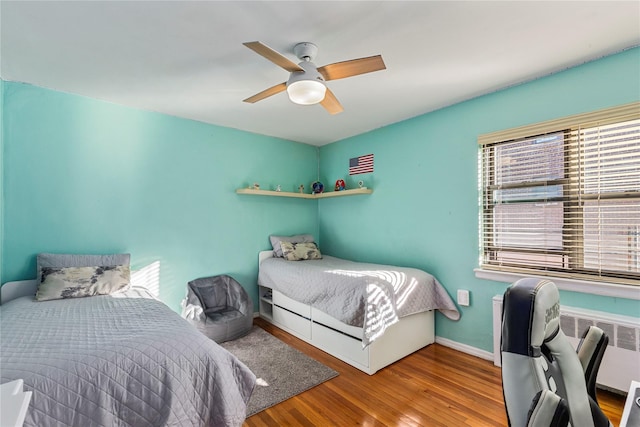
point(368, 315)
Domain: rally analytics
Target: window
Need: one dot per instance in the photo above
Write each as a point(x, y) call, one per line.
point(562, 198)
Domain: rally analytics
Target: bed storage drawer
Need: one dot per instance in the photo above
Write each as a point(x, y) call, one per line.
point(342, 346)
point(331, 322)
point(292, 322)
point(291, 305)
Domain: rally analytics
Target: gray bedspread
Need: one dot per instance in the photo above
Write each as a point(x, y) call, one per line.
point(371, 296)
point(118, 361)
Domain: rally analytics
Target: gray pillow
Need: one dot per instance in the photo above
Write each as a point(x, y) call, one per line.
point(298, 238)
point(68, 260)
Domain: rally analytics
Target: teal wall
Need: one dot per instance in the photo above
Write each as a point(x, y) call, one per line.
point(424, 209)
point(86, 176)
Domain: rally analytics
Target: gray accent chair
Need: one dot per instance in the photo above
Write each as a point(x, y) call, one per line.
point(219, 307)
point(544, 380)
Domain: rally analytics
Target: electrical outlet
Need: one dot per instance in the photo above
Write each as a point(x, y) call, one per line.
point(463, 297)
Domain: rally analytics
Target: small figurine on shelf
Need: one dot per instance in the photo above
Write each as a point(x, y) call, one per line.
point(340, 185)
point(256, 186)
point(361, 185)
point(317, 187)
point(278, 188)
point(301, 188)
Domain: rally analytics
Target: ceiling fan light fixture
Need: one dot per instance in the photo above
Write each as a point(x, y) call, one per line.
point(306, 92)
point(306, 84)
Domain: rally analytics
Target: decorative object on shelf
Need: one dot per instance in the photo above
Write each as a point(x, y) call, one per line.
point(340, 185)
point(256, 186)
point(361, 184)
point(278, 188)
point(362, 164)
point(301, 188)
point(317, 187)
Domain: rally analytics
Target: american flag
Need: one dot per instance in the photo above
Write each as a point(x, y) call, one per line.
point(362, 164)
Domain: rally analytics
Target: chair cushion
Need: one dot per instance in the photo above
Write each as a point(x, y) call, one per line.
point(223, 315)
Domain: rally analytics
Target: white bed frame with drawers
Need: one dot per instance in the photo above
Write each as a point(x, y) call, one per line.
point(344, 341)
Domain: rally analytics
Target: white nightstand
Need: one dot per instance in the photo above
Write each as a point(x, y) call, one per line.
point(14, 403)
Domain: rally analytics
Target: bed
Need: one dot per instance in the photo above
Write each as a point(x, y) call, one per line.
point(116, 360)
point(368, 315)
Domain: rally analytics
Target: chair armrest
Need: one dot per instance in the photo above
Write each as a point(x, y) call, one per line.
point(591, 350)
point(548, 410)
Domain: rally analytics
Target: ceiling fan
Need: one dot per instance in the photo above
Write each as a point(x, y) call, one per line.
point(306, 84)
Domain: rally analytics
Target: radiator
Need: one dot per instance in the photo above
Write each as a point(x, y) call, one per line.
point(621, 362)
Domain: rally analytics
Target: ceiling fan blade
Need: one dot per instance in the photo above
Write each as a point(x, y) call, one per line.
point(266, 93)
point(354, 67)
point(331, 103)
point(273, 56)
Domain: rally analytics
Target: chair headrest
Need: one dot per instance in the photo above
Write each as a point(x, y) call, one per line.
point(531, 305)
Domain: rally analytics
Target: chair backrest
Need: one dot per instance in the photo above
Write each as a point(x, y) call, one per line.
point(537, 357)
point(211, 292)
point(219, 292)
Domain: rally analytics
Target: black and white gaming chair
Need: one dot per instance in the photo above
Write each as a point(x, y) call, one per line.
point(544, 381)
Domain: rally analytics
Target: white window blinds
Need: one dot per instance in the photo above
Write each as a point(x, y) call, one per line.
point(563, 197)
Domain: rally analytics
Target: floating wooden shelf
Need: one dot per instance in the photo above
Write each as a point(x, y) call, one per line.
point(354, 192)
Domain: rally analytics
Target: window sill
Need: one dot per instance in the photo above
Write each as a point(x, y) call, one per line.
point(572, 285)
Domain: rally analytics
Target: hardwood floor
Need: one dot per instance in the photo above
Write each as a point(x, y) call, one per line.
point(435, 386)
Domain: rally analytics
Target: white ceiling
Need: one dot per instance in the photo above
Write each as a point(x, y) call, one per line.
point(186, 59)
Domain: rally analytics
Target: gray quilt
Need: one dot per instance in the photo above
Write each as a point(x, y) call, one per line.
point(371, 296)
point(105, 361)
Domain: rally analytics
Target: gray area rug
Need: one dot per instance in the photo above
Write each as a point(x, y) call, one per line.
point(282, 371)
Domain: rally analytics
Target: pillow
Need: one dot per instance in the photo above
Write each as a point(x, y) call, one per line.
point(276, 240)
point(63, 260)
point(58, 261)
point(300, 251)
point(74, 282)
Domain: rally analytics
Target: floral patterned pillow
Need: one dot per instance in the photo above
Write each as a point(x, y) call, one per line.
point(300, 251)
point(298, 238)
point(75, 282)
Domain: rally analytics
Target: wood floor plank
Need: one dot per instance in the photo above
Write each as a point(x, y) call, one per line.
point(435, 386)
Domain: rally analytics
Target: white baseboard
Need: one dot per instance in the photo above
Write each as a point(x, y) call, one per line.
point(474, 351)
